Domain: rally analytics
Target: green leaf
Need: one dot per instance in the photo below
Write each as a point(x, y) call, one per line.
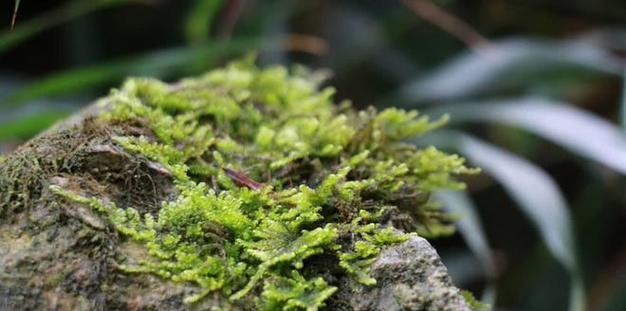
point(28, 126)
point(199, 20)
point(577, 130)
point(107, 73)
point(469, 225)
point(459, 204)
point(536, 194)
point(511, 63)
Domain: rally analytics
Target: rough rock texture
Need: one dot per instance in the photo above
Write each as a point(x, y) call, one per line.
point(58, 255)
point(410, 276)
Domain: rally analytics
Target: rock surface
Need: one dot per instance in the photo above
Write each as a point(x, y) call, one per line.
point(410, 276)
point(57, 255)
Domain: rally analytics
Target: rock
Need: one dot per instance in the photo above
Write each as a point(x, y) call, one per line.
point(410, 276)
point(59, 255)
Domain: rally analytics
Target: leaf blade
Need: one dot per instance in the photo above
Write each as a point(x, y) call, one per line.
point(108, 72)
point(570, 127)
point(504, 65)
point(537, 195)
point(199, 19)
point(29, 125)
point(470, 227)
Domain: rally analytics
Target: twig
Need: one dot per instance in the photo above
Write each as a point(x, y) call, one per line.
point(15, 8)
point(306, 43)
point(242, 179)
point(439, 17)
point(231, 13)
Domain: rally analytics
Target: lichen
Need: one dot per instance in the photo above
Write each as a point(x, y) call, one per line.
point(272, 174)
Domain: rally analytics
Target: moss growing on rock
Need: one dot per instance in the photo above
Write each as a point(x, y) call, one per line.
point(271, 179)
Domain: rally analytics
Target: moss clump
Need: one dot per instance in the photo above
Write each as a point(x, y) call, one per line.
point(272, 176)
point(474, 303)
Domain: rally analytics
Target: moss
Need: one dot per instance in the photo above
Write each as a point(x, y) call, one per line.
point(270, 174)
point(366, 249)
point(295, 293)
point(474, 303)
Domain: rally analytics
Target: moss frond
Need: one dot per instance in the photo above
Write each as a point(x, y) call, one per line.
point(295, 293)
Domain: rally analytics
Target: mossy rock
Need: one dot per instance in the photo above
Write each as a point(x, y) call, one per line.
point(243, 189)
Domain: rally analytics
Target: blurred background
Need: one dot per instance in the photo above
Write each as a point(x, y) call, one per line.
point(534, 89)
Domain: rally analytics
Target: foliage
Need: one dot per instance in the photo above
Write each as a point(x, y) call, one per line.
point(534, 191)
point(271, 175)
point(473, 302)
point(535, 56)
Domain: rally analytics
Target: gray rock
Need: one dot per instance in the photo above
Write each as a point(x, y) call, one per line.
point(59, 255)
point(410, 276)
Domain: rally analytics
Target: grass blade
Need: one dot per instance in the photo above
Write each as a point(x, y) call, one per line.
point(28, 126)
point(575, 129)
point(108, 73)
point(199, 20)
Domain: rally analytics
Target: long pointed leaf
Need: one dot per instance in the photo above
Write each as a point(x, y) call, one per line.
point(570, 127)
point(152, 63)
point(506, 63)
point(535, 193)
point(199, 20)
point(28, 126)
point(470, 227)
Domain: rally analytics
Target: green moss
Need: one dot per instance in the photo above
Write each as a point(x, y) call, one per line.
point(371, 238)
point(474, 303)
point(295, 293)
point(272, 174)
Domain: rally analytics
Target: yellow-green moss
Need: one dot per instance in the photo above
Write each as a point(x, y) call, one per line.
point(272, 173)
